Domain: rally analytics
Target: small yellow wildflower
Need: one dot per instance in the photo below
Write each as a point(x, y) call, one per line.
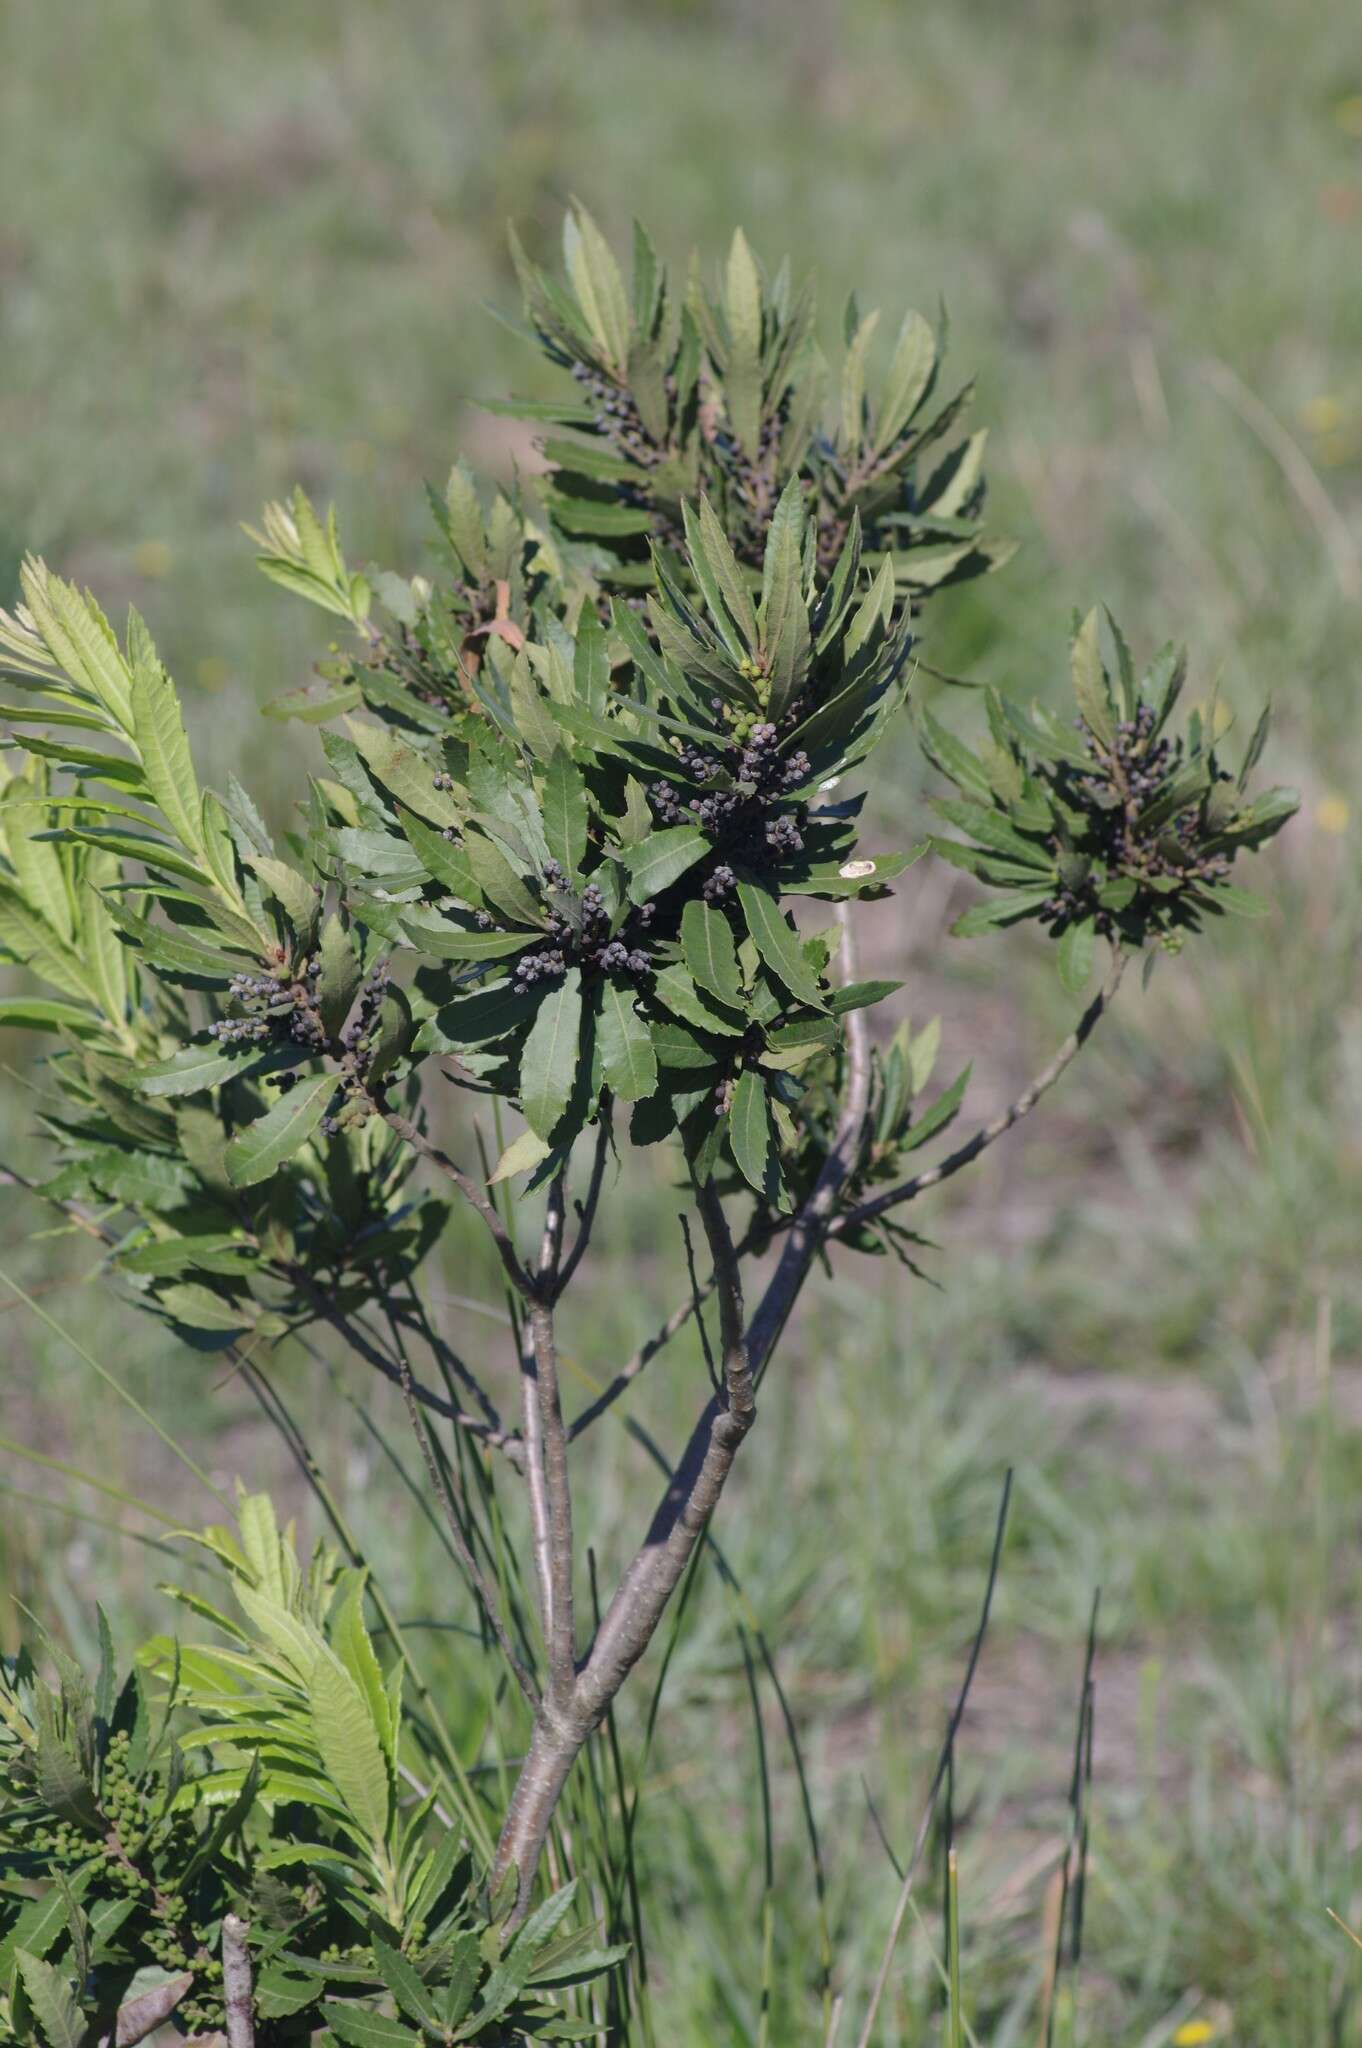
point(1331, 815)
point(1321, 415)
point(1192, 2033)
point(1348, 114)
point(152, 558)
point(212, 672)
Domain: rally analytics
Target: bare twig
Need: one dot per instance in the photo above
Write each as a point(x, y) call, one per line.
point(238, 1996)
point(693, 1490)
point(470, 1189)
point(436, 1473)
point(990, 1132)
point(363, 1345)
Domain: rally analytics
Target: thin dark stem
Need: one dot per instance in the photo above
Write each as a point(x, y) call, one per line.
point(439, 1481)
point(472, 1192)
point(587, 1212)
point(998, 1126)
point(562, 1638)
point(943, 1765)
point(489, 1432)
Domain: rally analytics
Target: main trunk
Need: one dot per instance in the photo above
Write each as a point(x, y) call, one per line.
point(553, 1751)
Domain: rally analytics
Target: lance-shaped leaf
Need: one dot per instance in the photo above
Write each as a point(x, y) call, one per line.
point(628, 1062)
point(908, 381)
point(160, 739)
point(565, 812)
point(659, 861)
point(548, 1064)
point(778, 945)
point(783, 617)
point(1077, 949)
point(710, 951)
point(750, 1131)
point(259, 1150)
point(209, 1064)
point(53, 2002)
point(1091, 689)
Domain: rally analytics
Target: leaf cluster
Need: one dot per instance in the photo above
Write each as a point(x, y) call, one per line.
point(1123, 824)
point(263, 1773)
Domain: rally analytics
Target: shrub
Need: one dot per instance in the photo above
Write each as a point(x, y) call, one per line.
point(586, 796)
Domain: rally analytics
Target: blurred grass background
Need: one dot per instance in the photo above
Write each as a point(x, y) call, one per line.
point(244, 245)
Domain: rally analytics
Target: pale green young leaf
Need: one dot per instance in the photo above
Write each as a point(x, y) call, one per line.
point(596, 279)
point(162, 743)
point(53, 2002)
point(520, 1156)
point(350, 1746)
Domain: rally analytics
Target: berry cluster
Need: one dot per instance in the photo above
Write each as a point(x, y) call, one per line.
point(359, 1042)
point(1127, 778)
point(741, 817)
point(280, 1005)
point(579, 929)
point(617, 416)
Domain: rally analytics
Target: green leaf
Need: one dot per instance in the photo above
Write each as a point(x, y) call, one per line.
point(710, 952)
point(199, 1308)
point(295, 895)
point(676, 990)
point(522, 1155)
point(565, 813)
point(196, 1067)
point(445, 941)
point(659, 861)
point(45, 1013)
point(358, 2027)
point(339, 978)
point(548, 1064)
point(406, 773)
point(778, 946)
point(1091, 690)
point(628, 1062)
point(599, 287)
point(749, 1130)
point(784, 619)
point(793, 1045)
point(910, 376)
point(258, 1151)
point(413, 1998)
point(351, 1747)
point(478, 1018)
point(940, 1114)
point(1077, 949)
point(499, 882)
point(174, 951)
point(53, 2003)
point(159, 735)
